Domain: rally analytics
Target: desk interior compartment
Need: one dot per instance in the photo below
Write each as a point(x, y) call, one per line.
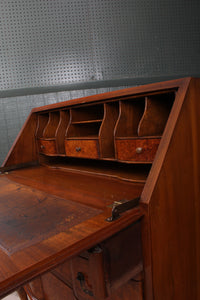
point(91, 131)
point(140, 126)
point(51, 131)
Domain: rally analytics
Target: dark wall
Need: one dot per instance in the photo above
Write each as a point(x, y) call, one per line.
point(53, 43)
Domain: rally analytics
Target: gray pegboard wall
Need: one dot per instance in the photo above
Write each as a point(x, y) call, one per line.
point(49, 43)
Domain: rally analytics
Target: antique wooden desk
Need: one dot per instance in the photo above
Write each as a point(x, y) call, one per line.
point(99, 198)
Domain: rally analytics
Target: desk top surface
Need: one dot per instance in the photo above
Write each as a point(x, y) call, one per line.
point(39, 230)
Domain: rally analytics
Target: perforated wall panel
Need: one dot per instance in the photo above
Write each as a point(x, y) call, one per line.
point(46, 42)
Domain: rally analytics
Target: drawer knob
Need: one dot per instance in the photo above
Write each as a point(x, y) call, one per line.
point(42, 146)
point(78, 149)
point(139, 150)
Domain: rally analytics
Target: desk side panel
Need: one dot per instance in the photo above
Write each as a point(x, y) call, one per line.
point(175, 209)
point(23, 150)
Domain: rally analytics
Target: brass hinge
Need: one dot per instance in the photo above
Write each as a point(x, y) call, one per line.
point(121, 206)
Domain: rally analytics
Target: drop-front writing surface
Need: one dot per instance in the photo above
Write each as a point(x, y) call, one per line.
point(100, 197)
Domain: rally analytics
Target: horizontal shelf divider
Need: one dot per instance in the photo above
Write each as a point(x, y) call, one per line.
point(86, 122)
point(82, 138)
point(137, 137)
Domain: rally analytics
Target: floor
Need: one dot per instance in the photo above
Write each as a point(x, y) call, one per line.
point(13, 296)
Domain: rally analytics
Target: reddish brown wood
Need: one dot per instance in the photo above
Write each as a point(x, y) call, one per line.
point(42, 121)
point(24, 147)
point(70, 185)
point(52, 125)
point(174, 216)
point(55, 289)
point(61, 131)
point(82, 148)
point(132, 290)
point(106, 134)
point(30, 220)
point(153, 88)
point(126, 244)
point(137, 150)
point(157, 109)
point(63, 272)
point(35, 289)
point(130, 115)
point(54, 213)
point(47, 146)
point(22, 294)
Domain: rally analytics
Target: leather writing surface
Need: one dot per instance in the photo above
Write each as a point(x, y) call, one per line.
point(28, 216)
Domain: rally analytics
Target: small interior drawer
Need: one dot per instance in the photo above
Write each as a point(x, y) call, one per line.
point(138, 150)
point(82, 148)
point(47, 147)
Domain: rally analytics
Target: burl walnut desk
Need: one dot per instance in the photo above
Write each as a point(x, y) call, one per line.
point(100, 198)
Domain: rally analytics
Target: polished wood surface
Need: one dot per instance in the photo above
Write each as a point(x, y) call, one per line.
point(47, 146)
point(56, 239)
point(137, 150)
point(174, 203)
point(82, 148)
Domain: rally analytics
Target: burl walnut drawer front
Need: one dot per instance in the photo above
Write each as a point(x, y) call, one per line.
point(47, 146)
point(82, 148)
point(138, 150)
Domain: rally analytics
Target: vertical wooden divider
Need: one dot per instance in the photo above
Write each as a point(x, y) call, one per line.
point(61, 131)
point(106, 133)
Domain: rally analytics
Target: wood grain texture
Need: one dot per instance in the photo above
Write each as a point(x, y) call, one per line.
point(174, 216)
point(47, 146)
point(35, 289)
point(156, 113)
point(26, 218)
point(55, 289)
point(130, 114)
point(52, 125)
point(126, 149)
point(24, 147)
point(123, 257)
point(42, 121)
point(61, 131)
point(129, 92)
point(106, 134)
point(168, 214)
point(82, 148)
point(72, 186)
point(63, 272)
point(45, 254)
point(132, 290)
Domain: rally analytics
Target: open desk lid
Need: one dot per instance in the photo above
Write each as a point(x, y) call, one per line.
point(38, 231)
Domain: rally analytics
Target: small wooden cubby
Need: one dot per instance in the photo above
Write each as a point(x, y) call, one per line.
point(91, 131)
point(50, 133)
point(140, 126)
point(124, 129)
